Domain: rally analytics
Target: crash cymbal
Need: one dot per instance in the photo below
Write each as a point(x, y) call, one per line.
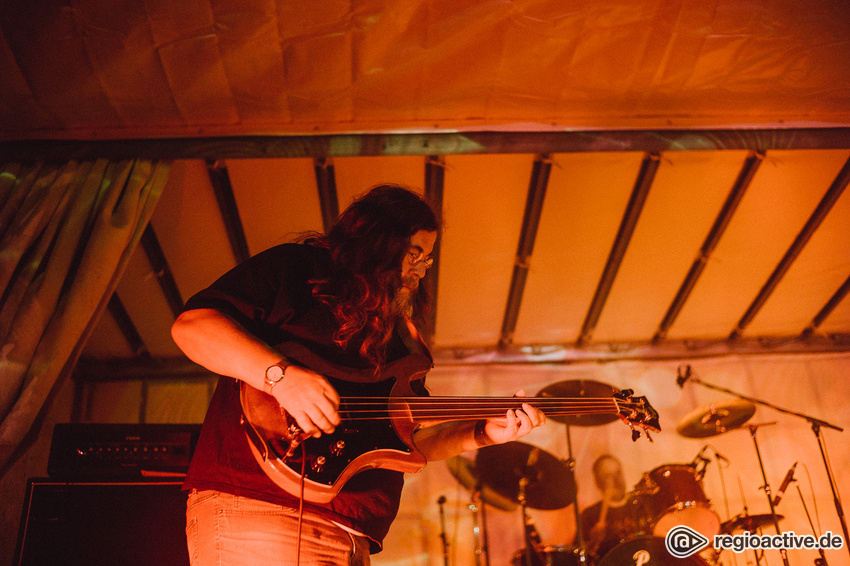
point(580, 388)
point(463, 469)
point(715, 418)
point(748, 522)
point(504, 467)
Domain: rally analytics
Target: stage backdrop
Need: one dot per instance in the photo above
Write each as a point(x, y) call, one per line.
point(817, 385)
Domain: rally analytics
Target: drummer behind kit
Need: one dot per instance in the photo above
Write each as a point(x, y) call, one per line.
point(520, 475)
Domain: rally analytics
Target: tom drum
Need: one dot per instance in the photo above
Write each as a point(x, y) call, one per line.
point(673, 496)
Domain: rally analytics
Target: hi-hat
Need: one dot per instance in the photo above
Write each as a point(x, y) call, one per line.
point(583, 388)
point(748, 522)
point(715, 418)
point(463, 469)
point(515, 467)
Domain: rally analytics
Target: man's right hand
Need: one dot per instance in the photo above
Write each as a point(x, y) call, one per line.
point(308, 398)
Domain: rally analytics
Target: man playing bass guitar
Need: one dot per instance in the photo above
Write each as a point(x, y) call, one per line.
point(300, 322)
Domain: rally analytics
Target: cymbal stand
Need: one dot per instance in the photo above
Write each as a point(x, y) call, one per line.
point(782, 552)
point(817, 424)
point(479, 530)
point(529, 548)
point(571, 463)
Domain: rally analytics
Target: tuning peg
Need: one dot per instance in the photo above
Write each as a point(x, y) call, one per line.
point(635, 434)
point(648, 436)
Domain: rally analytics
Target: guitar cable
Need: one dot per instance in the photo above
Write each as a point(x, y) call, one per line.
point(301, 506)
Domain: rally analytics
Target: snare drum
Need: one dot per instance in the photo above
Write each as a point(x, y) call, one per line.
point(646, 551)
point(674, 496)
point(549, 555)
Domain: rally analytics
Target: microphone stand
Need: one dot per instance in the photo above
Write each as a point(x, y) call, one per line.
point(818, 561)
point(782, 552)
point(816, 426)
point(440, 502)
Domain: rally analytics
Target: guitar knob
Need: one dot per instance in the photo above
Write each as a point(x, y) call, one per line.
point(318, 464)
point(337, 447)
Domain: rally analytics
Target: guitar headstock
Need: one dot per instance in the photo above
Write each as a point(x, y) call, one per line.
point(637, 413)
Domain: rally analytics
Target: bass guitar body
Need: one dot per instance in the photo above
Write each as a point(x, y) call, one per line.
point(376, 431)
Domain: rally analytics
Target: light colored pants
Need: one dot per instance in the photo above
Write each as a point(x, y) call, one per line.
point(224, 529)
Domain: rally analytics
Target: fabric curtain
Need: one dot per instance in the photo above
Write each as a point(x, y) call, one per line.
point(66, 235)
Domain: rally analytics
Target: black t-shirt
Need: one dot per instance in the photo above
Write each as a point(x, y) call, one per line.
point(621, 523)
point(271, 296)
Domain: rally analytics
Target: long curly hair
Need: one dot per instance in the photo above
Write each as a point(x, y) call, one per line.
point(367, 245)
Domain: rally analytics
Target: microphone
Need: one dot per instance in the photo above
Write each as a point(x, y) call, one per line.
point(441, 500)
point(683, 375)
point(721, 457)
point(789, 477)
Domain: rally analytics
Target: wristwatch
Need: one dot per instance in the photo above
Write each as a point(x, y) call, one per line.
point(274, 375)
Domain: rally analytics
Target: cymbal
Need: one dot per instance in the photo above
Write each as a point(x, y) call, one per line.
point(748, 522)
point(580, 388)
point(505, 467)
point(715, 418)
point(463, 469)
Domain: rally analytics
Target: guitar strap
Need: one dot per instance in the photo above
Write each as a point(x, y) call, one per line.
point(411, 337)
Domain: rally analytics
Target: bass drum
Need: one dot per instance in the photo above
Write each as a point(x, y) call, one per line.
point(549, 555)
point(646, 551)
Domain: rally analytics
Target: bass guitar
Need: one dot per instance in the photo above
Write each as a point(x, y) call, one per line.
point(379, 414)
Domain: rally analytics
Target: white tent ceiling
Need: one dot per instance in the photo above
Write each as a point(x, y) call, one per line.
point(618, 179)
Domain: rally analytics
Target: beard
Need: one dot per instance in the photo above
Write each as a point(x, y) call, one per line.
point(404, 298)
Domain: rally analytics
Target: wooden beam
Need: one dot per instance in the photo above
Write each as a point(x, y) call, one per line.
point(827, 308)
point(161, 269)
point(220, 179)
point(822, 209)
point(435, 177)
point(624, 235)
point(437, 143)
point(126, 326)
point(528, 234)
point(181, 369)
point(326, 184)
point(178, 368)
point(745, 177)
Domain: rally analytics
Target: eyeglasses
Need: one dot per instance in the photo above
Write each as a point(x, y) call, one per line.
point(416, 258)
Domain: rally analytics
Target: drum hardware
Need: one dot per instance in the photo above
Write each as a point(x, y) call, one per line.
point(527, 475)
point(686, 374)
point(579, 388)
point(464, 470)
point(549, 555)
point(715, 418)
point(745, 522)
point(646, 551)
point(516, 469)
point(440, 502)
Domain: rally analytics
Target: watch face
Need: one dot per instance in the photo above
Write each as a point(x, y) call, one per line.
point(274, 373)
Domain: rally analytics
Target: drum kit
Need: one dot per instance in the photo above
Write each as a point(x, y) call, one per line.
point(516, 474)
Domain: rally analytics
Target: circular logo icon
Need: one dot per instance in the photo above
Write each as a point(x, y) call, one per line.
point(682, 541)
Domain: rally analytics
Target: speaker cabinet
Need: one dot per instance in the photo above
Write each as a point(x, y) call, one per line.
point(136, 523)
